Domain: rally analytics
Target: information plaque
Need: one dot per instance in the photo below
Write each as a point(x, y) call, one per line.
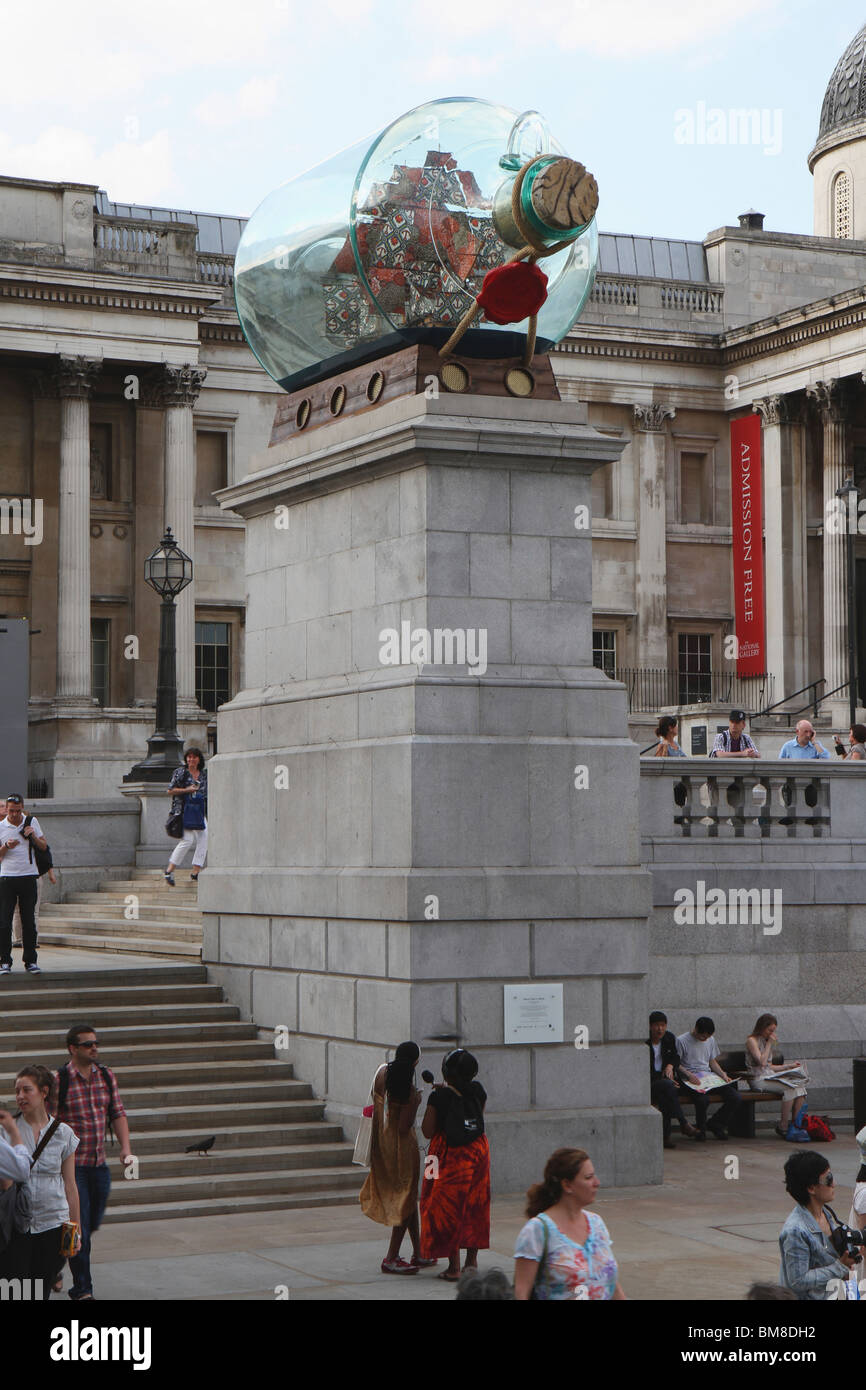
point(533, 1013)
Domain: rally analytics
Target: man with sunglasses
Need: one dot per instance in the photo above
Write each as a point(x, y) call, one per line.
point(88, 1097)
point(19, 877)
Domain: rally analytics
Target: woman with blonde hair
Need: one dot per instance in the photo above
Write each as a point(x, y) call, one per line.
point(564, 1251)
point(762, 1069)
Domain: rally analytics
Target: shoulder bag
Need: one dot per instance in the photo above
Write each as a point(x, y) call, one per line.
point(16, 1209)
point(364, 1140)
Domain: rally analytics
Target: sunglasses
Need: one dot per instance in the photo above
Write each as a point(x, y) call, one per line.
point(827, 1180)
point(95, 1043)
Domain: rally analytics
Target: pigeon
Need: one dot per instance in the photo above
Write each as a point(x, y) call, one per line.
point(201, 1148)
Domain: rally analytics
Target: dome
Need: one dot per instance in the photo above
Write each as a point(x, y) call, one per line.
point(845, 97)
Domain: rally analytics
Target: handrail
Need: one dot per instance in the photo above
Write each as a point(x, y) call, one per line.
point(822, 680)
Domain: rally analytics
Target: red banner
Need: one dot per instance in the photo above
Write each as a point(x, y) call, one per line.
point(747, 515)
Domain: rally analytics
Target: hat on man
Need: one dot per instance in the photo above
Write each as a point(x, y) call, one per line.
point(737, 715)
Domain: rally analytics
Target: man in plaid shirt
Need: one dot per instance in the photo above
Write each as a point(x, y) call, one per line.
point(91, 1098)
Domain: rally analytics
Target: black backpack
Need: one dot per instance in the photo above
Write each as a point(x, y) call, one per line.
point(464, 1122)
point(63, 1092)
point(44, 862)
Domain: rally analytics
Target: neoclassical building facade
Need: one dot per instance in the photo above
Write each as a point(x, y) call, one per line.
point(129, 400)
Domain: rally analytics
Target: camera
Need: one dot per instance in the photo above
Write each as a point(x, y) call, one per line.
point(846, 1241)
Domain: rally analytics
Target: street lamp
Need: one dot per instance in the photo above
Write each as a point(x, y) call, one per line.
point(844, 493)
point(168, 570)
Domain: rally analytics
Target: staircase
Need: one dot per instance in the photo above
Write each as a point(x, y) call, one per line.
point(141, 915)
point(188, 1067)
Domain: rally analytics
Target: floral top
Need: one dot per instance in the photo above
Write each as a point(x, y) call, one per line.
point(181, 777)
point(569, 1270)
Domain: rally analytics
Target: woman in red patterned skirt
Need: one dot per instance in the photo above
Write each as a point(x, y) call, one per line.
point(455, 1197)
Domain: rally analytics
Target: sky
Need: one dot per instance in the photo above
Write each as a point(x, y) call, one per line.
point(209, 106)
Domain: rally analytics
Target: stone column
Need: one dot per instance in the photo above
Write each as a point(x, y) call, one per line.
point(71, 379)
point(828, 396)
point(176, 389)
point(785, 577)
point(652, 591)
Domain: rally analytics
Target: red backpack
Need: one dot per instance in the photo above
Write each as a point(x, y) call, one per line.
point(818, 1129)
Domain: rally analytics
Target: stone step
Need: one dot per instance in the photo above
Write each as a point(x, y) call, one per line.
point(250, 1093)
point(99, 1016)
point(50, 1042)
point(220, 1162)
point(156, 1058)
point(246, 1073)
point(273, 1135)
point(233, 1206)
point(151, 976)
point(168, 1116)
point(184, 930)
point(118, 926)
point(150, 888)
point(74, 907)
point(23, 992)
point(205, 1183)
point(118, 945)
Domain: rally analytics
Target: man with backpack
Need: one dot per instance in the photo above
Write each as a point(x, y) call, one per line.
point(21, 841)
point(88, 1100)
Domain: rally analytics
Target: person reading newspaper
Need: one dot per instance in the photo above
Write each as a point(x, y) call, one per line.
point(702, 1073)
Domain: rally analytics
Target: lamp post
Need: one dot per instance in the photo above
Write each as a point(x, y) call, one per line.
point(168, 570)
point(844, 493)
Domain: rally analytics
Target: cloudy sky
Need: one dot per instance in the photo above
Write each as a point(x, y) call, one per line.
point(209, 106)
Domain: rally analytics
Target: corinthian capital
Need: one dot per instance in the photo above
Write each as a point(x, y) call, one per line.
point(68, 377)
point(827, 397)
point(777, 410)
point(651, 418)
point(169, 386)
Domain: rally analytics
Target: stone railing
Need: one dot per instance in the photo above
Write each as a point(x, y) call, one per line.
point(130, 244)
point(215, 269)
point(610, 291)
point(759, 799)
point(695, 299)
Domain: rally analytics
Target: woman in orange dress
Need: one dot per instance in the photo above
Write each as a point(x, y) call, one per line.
point(455, 1198)
point(390, 1194)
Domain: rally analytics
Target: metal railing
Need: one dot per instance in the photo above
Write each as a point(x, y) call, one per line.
point(661, 689)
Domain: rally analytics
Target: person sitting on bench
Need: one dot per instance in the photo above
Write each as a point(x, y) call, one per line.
point(664, 1076)
point(761, 1069)
point(698, 1051)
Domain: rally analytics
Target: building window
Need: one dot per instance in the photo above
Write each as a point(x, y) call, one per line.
point(695, 502)
point(100, 652)
point(212, 665)
point(694, 667)
point(842, 219)
point(211, 465)
point(604, 650)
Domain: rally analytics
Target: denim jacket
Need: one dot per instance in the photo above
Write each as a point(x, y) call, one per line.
point(808, 1259)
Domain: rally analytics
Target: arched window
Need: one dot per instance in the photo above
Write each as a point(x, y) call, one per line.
point(843, 220)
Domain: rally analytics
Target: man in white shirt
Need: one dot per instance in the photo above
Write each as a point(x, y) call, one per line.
point(19, 875)
point(698, 1051)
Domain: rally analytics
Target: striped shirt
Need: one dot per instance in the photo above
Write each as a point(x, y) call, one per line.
point(88, 1104)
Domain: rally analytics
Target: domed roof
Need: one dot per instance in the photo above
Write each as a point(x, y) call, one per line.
point(845, 97)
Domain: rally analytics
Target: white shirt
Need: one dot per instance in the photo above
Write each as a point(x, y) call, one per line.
point(16, 862)
point(657, 1056)
point(696, 1056)
point(14, 1161)
point(47, 1190)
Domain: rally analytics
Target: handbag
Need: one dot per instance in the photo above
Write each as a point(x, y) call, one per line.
point(44, 862)
point(174, 825)
point(364, 1139)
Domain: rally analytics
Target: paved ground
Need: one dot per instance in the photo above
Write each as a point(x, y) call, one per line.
point(698, 1236)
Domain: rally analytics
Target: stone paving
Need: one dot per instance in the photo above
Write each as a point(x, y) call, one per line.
point(698, 1236)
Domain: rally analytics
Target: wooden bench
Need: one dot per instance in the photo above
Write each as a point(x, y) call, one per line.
point(743, 1124)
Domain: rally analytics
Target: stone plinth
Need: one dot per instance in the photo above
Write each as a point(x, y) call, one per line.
point(390, 844)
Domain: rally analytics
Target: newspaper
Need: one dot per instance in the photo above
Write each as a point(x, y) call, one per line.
point(706, 1083)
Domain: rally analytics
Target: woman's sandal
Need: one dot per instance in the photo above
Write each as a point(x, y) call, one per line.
point(448, 1276)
